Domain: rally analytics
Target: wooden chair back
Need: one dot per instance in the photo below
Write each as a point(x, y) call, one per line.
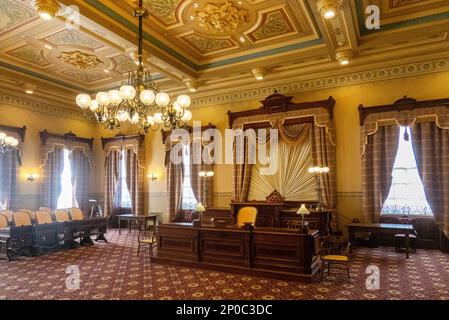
point(335, 245)
point(46, 209)
point(246, 215)
point(21, 219)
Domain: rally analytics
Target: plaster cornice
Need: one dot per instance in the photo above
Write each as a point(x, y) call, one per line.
point(294, 85)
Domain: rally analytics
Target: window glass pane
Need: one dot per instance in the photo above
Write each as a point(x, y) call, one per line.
point(406, 194)
point(188, 198)
point(125, 201)
point(66, 198)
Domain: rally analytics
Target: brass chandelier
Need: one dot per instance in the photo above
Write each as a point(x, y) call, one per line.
point(138, 101)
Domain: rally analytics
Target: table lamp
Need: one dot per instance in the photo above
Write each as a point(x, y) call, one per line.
point(200, 208)
point(303, 211)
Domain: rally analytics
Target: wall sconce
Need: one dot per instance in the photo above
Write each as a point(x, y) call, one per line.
point(152, 176)
point(206, 174)
point(32, 176)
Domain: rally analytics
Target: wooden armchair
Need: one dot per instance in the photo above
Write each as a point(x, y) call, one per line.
point(400, 237)
point(335, 251)
point(146, 237)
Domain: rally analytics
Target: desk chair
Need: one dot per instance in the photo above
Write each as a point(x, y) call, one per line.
point(335, 251)
point(44, 229)
point(21, 232)
point(400, 237)
point(146, 237)
point(65, 228)
point(246, 215)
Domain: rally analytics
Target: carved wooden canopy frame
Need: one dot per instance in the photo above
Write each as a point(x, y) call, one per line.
point(20, 131)
point(67, 137)
point(403, 104)
point(278, 103)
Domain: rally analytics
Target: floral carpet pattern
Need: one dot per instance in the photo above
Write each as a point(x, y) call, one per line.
point(113, 271)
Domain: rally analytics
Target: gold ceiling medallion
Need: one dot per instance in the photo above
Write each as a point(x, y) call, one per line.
point(218, 18)
point(80, 60)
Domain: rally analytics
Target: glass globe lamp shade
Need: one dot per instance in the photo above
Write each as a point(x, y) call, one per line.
point(177, 107)
point(122, 115)
point(158, 117)
point(147, 97)
point(183, 101)
point(83, 101)
point(127, 92)
point(102, 98)
point(187, 116)
point(9, 140)
point(15, 142)
point(93, 105)
point(162, 99)
point(114, 97)
point(150, 120)
point(135, 118)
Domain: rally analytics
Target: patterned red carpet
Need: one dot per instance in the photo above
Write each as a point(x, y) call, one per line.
point(113, 271)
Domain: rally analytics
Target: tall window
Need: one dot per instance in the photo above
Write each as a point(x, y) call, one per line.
point(67, 197)
point(125, 197)
point(188, 198)
point(407, 192)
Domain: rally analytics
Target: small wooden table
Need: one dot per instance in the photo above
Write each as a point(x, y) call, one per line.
point(139, 218)
point(388, 228)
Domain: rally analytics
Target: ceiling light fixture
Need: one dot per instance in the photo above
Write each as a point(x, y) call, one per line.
point(191, 85)
point(242, 39)
point(138, 101)
point(344, 57)
point(29, 88)
point(47, 9)
point(258, 73)
point(328, 8)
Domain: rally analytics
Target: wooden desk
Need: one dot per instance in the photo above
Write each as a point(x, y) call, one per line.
point(139, 218)
point(387, 228)
point(276, 252)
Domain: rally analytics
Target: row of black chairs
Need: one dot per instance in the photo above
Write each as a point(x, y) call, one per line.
point(26, 232)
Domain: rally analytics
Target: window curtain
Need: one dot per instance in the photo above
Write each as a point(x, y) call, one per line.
point(134, 179)
point(431, 148)
point(241, 175)
point(51, 180)
point(112, 162)
point(377, 167)
point(80, 167)
point(175, 180)
point(324, 155)
point(9, 175)
point(198, 184)
point(292, 179)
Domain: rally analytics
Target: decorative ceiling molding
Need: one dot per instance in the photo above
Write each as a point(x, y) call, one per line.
point(80, 60)
point(275, 23)
point(317, 83)
point(7, 99)
point(221, 18)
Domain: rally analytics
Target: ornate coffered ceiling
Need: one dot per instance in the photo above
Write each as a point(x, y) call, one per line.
point(216, 43)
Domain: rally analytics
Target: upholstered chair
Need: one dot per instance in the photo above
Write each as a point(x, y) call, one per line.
point(43, 217)
point(7, 214)
point(21, 219)
point(30, 212)
point(4, 223)
point(46, 209)
point(61, 215)
point(335, 251)
point(246, 215)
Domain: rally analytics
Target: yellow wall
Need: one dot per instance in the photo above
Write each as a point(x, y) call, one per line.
point(348, 142)
point(36, 122)
point(347, 98)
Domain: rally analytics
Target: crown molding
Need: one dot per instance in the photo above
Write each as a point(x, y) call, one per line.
point(297, 84)
point(40, 105)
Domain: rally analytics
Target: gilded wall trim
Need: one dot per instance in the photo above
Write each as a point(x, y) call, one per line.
point(39, 106)
point(323, 82)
